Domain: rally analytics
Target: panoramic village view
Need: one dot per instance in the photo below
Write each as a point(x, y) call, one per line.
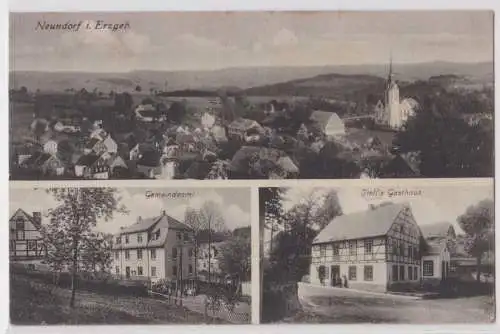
point(392, 111)
point(118, 256)
point(354, 255)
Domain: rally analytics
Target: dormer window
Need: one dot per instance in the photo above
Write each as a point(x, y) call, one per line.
point(139, 238)
point(157, 235)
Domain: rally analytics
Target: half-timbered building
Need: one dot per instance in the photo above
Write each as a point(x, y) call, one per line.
point(378, 249)
point(25, 239)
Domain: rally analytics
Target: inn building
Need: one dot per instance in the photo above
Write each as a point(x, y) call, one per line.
point(155, 248)
point(379, 249)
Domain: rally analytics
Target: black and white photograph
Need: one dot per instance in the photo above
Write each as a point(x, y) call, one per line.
point(251, 95)
point(81, 255)
point(413, 254)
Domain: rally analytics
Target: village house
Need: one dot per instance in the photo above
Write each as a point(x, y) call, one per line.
point(25, 240)
point(242, 127)
point(99, 145)
point(90, 166)
point(379, 249)
point(155, 248)
point(45, 163)
point(329, 123)
point(50, 147)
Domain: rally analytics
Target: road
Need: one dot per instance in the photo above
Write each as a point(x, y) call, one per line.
point(326, 305)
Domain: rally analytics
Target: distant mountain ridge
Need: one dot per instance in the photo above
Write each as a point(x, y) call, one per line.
point(243, 78)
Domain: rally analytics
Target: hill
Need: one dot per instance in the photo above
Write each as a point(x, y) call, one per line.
point(242, 77)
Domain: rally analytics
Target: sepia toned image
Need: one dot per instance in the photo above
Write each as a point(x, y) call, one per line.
point(417, 254)
point(251, 95)
point(129, 256)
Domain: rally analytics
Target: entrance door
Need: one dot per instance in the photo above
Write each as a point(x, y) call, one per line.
point(335, 275)
point(127, 272)
point(443, 270)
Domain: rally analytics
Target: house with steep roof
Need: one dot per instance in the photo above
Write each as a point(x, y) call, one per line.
point(284, 167)
point(25, 239)
point(90, 166)
point(329, 123)
point(379, 249)
point(155, 248)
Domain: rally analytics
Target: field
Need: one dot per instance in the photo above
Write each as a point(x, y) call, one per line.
point(34, 302)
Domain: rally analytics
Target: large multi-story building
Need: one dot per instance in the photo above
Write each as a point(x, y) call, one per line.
point(155, 248)
point(379, 249)
point(25, 239)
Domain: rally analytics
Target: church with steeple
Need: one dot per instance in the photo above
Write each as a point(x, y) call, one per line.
point(393, 113)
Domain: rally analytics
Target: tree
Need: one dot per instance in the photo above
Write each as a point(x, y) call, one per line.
point(448, 146)
point(235, 257)
point(39, 128)
point(70, 233)
point(478, 224)
point(138, 88)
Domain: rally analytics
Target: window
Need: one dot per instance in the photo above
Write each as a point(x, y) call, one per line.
point(118, 240)
point(410, 253)
point(139, 254)
point(216, 252)
point(174, 253)
point(410, 273)
point(352, 247)
point(415, 273)
point(402, 229)
point(153, 254)
point(139, 238)
point(395, 248)
point(336, 249)
point(19, 224)
point(402, 249)
point(20, 235)
point(186, 236)
point(368, 273)
point(428, 268)
point(179, 237)
point(126, 239)
point(127, 254)
point(117, 255)
point(153, 271)
point(117, 269)
point(157, 235)
point(190, 269)
point(139, 271)
point(401, 273)
point(174, 270)
point(32, 245)
point(352, 273)
point(368, 246)
point(322, 250)
point(190, 252)
point(394, 273)
point(13, 245)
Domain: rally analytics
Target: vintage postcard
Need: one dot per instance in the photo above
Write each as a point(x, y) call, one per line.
point(129, 256)
point(414, 254)
point(251, 95)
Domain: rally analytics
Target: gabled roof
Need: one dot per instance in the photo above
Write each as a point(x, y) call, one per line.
point(322, 118)
point(435, 247)
point(147, 223)
point(436, 230)
point(37, 224)
point(363, 224)
point(92, 142)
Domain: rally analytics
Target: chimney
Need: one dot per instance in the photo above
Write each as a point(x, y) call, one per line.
point(139, 219)
point(163, 213)
point(37, 218)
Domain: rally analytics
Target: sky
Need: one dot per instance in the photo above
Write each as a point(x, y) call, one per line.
point(211, 40)
point(234, 204)
point(437, 203)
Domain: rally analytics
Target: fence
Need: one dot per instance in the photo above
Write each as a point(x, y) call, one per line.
point(202, 305)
